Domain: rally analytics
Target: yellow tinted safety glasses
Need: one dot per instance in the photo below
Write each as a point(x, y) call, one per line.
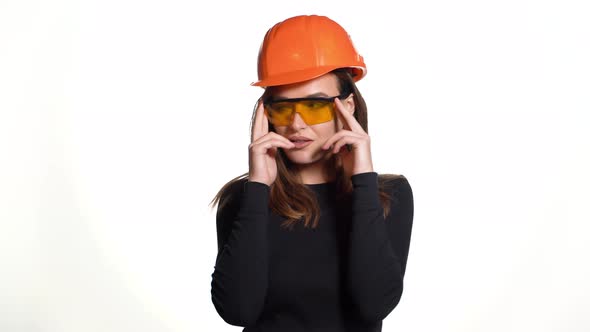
point(312, 110)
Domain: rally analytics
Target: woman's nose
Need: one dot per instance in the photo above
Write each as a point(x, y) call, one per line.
point(298, 123)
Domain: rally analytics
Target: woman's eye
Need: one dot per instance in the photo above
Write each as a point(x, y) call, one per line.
point(314, 104)
point(281, 108)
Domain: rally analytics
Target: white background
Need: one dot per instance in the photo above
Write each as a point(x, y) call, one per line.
point(120, 120)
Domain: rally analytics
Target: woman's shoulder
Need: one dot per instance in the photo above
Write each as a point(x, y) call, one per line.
point(396, 186)
point(231, 191)
point(400, 196)
point(392, 181)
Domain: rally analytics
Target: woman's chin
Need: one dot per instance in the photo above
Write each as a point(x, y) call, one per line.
point(302, 157)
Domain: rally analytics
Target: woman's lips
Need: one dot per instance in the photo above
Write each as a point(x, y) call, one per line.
point(301, 144)
point(300, 141)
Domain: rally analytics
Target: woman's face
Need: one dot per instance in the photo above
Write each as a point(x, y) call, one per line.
point(310, 138)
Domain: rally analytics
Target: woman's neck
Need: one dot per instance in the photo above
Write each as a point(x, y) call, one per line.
point(314, 173)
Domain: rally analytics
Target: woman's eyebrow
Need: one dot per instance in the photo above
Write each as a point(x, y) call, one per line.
point(317, 94)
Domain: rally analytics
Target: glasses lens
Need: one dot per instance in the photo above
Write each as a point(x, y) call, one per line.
point(280, 113)
point(316, 111)
point(312, 111)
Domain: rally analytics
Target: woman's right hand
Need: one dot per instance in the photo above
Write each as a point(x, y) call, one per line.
point(263, 149)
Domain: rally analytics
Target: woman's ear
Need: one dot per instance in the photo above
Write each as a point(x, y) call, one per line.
point(349, 103)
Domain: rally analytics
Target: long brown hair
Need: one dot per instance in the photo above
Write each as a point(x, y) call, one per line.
point(292, 199)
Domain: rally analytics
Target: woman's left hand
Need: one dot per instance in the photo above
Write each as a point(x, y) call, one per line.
point(357, 159)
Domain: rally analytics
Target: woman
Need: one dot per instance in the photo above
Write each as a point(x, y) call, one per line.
point(311, 238)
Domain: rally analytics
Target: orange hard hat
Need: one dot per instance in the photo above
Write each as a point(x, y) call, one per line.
point(304, 47)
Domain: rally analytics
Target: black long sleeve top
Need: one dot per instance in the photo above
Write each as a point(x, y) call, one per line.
point(344, 275)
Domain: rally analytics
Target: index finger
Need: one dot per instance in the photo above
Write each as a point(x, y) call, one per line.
point(260, 123)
